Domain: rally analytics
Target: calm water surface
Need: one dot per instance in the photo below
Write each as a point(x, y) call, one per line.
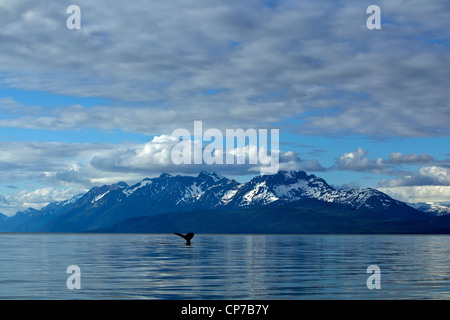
point(154, 266)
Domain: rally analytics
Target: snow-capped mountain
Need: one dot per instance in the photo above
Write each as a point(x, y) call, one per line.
point(109, 204)
point(283, 186)
point(437, 209)
point(297, 185)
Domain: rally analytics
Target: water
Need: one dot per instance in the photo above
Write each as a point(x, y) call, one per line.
point(161, 266)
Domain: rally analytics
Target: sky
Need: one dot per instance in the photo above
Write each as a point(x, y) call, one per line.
point(358, 107)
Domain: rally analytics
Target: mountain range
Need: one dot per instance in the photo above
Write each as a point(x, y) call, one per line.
point(437, 209)
point(286, 202)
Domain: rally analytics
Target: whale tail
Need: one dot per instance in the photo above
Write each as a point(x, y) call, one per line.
point(186, 237)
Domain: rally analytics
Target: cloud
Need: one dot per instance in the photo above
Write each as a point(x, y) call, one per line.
point(155, 157)
point(399, 158)
point(49, 171)
point(152, 156)
point(291, 161)
point(428, 184)
point(43, 196)
point(431, 181)
point(37, 165)
point(36, 199)
point(39, 157)
point(359, 161)
point(229, 63)
point(232, 63)
point(415, 194)
point(425, 176)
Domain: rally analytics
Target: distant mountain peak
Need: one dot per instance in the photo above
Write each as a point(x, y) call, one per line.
point(216, 177)
point(122, 184)
point(29, 211)
point(108, 204)
point(434, 208)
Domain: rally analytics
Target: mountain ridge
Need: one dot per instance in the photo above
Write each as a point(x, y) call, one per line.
point(299, 217)
point(434, 208)
point(107, 205)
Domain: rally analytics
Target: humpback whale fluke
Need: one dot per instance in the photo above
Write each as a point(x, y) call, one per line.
point(186, 237)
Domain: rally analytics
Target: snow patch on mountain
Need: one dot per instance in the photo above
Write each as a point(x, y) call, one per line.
point(100, 196)
point(129, 191)
point(228, 196)
point(69, 201)
point(193, 191)
point(260, 194)
point(209, 191)
point(286, 191)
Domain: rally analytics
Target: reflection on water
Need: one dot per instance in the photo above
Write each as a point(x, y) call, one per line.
point(125, 266)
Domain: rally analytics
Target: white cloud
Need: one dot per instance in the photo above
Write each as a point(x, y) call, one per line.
point(38, 157)
point(43, 196)
point(359, 161)
point(155, 157)
point(427, 184)
point(414, 194)
point(425, 176)
point(399, 158)
point(36, 199)
point(62, 169)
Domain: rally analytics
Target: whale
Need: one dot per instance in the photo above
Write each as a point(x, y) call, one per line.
point(186, 237)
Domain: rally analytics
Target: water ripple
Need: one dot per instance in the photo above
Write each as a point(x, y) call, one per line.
point(126, 266)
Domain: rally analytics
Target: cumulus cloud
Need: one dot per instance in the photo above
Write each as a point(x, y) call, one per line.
point(430, 175)
point(399, 158)
point(31, 159)
point(155, 157)
point(65, 169)
point(152, 156)
point(291, 161)
point(43, 196)
point(431, 181)
point(359, 161)
point(427, 184)
point(415, 194)
point(36, 199)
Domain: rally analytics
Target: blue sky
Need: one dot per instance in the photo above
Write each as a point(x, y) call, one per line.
point(358, 107)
